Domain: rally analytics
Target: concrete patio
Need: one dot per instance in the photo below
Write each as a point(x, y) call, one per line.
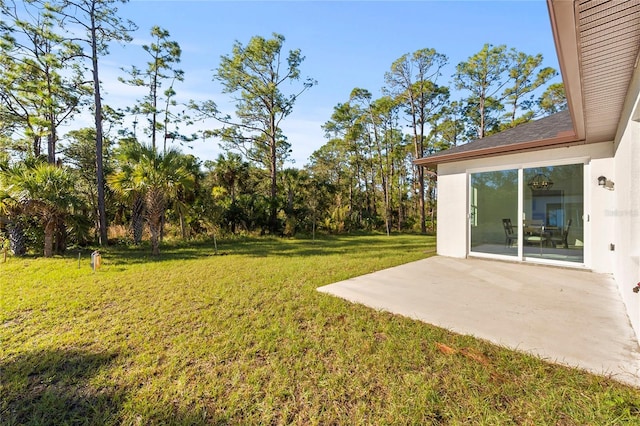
point(568, 316)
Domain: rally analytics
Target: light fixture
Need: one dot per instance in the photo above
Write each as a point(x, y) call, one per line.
point(540, 181)
point(605, 183)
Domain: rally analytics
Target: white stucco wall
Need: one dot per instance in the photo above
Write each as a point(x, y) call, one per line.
point(602, 224)
point(453, 204)
point(452, 213)
point(625, 211)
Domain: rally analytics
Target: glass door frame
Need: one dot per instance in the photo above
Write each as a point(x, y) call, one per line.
point(520, 167)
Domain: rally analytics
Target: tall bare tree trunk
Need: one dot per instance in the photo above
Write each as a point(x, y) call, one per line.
point(102, 210)
point(421, 201)
point(274, 179)
point(51, 143)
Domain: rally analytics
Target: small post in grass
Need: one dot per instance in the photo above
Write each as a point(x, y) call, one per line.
point(78, 259)
point(95, 260)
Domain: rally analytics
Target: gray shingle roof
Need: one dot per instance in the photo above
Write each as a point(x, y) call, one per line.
point(553, 126)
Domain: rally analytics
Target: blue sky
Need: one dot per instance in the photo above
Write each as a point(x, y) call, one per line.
point(346, 45)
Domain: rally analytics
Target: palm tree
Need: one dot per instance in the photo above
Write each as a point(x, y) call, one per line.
point(230, 172)
point(157, 178)
point(186, 196)
point(43, 190)
point(127, 156)
point(11, 210)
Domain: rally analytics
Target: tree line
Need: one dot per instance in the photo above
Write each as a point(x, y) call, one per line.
point(61, 189)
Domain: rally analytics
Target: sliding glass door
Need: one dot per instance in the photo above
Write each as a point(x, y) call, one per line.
point(553, 211)
point(494, 212)
point(551, 223)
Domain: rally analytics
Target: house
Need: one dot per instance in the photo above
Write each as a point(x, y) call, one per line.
point(563, 190)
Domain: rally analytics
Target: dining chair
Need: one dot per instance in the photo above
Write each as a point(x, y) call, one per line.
point(563, 237)
point(509, 233)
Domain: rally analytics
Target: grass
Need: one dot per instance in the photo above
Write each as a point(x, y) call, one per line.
point(244, 338)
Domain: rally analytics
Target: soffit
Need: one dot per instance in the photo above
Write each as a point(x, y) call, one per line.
point(608, 38)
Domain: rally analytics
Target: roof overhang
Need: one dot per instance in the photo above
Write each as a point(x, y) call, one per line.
point(562, 140)
point(598, 42)
point(563, 27)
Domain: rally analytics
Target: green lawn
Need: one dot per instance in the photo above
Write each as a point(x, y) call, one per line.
point(244, 338)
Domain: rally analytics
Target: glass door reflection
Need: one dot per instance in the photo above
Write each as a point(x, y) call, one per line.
point(553, 204)
point(493, 212)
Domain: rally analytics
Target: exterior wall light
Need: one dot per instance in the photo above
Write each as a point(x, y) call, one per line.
point(605, 183)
